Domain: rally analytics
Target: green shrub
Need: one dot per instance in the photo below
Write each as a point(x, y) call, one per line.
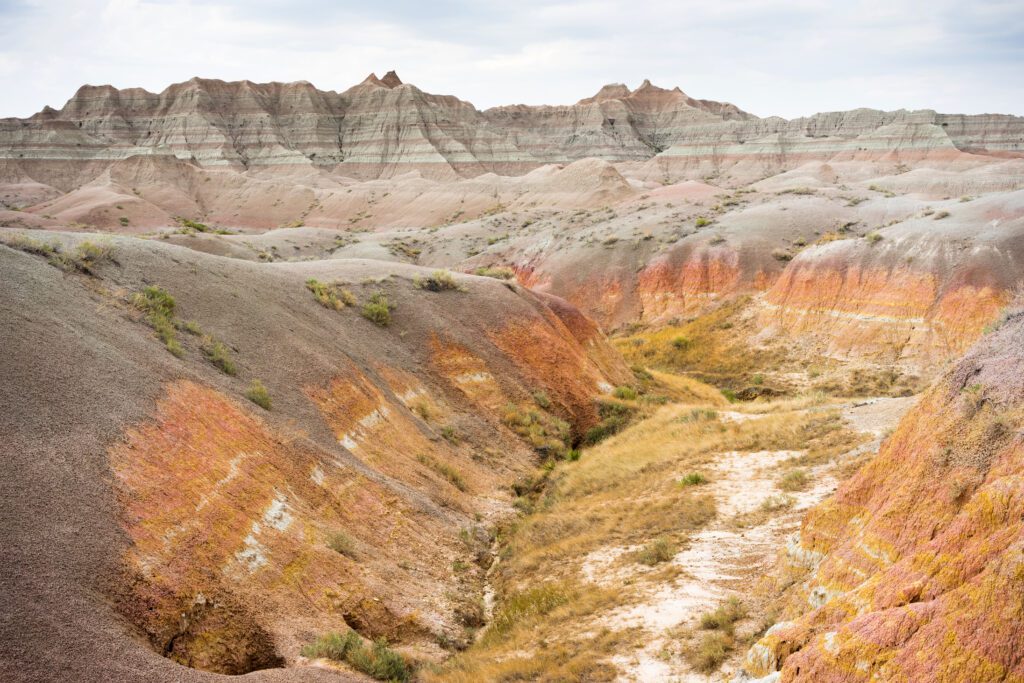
point(794, 480)
point(702, 222)
point(681, 343)
point(873, 237)
point(378, 661)
point(188, 224)
point(445, 470)
point(342, 543)
point(159, 307)
point(724, 617)
point(377, 310)
point(448, 432)
point(657, 551)
point(625, 393)
point(88, 255)
point(330, 296)
point(123, 220)
point(497, 272)
point(153, 299)
point(541, 399)
point(258, 394)
point(614, 418)
point(532, 602)
point(709, 654)
point(693, 479)
point(219, 354)
point(547, 434)
point(438, 281)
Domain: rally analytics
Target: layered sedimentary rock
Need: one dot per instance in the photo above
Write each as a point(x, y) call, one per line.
point(920, 292)
point(170, 518)
point(383, 127)
point(920, 576)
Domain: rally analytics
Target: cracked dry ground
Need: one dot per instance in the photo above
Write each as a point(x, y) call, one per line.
point(609, 577)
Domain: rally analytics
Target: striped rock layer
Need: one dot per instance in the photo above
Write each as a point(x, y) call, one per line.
point(383, 127)
point(920, 576)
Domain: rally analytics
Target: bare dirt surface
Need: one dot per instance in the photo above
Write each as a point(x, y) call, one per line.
point(725, 559)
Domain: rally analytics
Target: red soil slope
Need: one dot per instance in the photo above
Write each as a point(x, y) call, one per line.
point(155, 516)
point(919, 572)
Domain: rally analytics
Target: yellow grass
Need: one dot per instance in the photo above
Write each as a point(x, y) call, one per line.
point(624, 493)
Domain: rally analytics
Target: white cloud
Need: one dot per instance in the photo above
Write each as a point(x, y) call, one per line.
point(767, 56)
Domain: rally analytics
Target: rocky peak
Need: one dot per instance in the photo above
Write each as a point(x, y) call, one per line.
point(612, 91)
point(391, 80)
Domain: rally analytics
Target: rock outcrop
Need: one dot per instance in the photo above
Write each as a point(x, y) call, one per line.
point(383, 127)
point(920, 576)
point(145, 499)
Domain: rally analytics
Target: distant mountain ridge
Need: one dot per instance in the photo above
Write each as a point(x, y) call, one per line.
point(383, 127)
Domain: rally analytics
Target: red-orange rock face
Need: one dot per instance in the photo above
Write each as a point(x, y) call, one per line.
point(910, 295)
point(230, 521)
point(673, 286)
point(922, 571)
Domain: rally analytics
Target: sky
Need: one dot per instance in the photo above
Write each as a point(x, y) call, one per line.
point(769, 57)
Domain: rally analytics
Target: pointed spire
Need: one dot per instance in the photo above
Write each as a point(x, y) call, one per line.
point(391, 80)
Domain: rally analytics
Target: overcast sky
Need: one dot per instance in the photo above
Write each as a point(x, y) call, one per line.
point(789, 58)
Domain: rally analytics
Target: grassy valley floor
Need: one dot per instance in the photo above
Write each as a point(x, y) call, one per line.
point(651, 557)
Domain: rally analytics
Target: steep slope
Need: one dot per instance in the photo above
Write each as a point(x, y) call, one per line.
point(153, 515)
point(919, 576)
point(383, 127)
point(920, 291)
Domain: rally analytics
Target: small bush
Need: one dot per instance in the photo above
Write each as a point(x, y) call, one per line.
point(724, 617)
point(940, 215)
point(342, 543)
point(377, 310)
point(681, 343)
point(329, 296)
point(85, 256)
point(794, 480)
point(614, 418)
point(830, 236)
point(153, 299)
point(123, 220)
point(693, 479)
point(781, 255)
point(657, 551)
point(529, 603)
point(625, 393)
point(709, 654)
point(873, 237)
point(258, 394)
point(541, 399)
point(219, 354)
point(549, 435)
point(497, 272)
point(159, 307)
point(776, 503)
point(378, 661)
point(453, 476)
point(188, 224)
point(30, 246)
point(438, 281)
point(702, 222)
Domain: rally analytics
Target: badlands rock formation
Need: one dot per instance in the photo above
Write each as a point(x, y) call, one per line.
point(153, 515)
point(636, 205)
point(383, 127)
point(918, 577)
